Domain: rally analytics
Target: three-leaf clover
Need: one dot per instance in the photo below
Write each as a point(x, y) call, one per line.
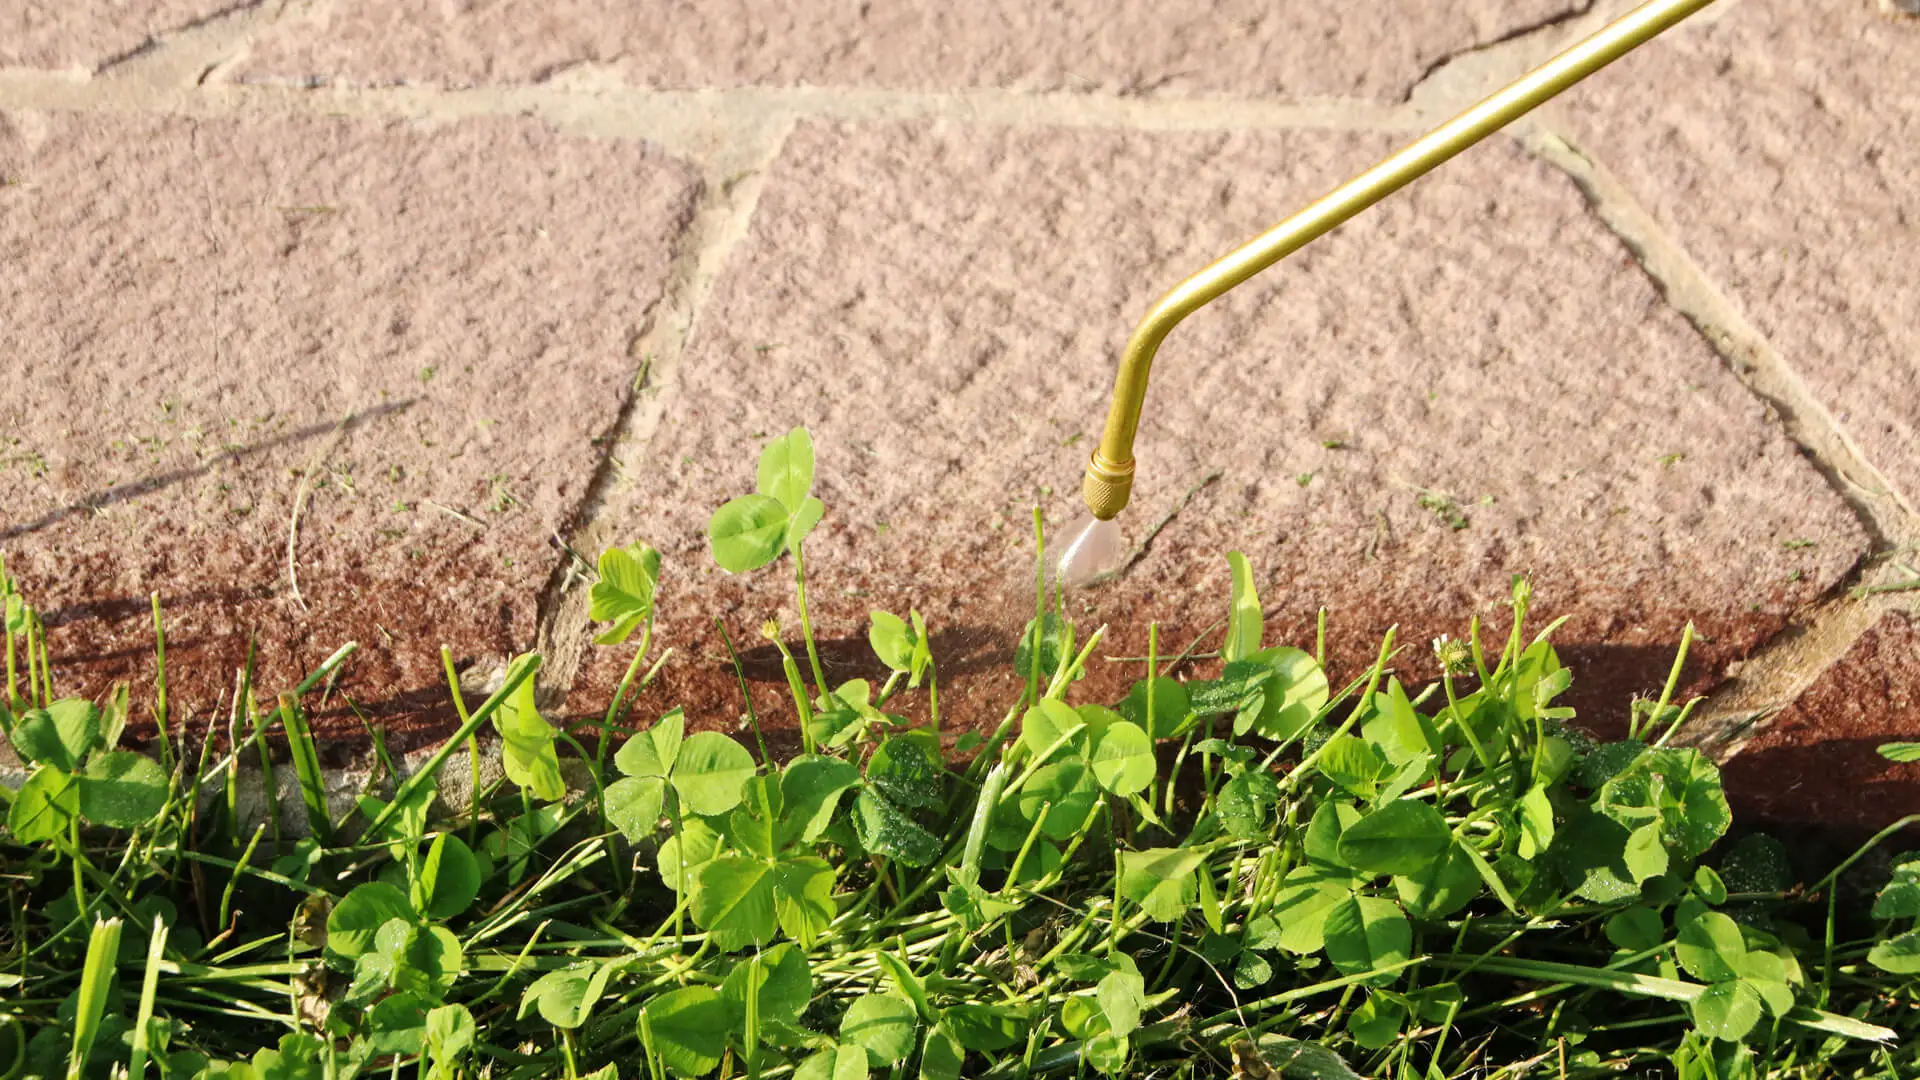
point(751, 531)
point(763, 876)
point(75, 775)
point(707, 771)
point(624, 594)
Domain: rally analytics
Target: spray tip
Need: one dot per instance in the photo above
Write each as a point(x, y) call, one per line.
point(1091, 547)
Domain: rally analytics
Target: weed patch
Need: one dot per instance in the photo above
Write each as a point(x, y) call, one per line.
point(1258, 873)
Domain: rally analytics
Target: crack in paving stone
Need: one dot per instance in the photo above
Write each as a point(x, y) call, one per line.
point(189, 54)
point(1500, 60)
point(716, 222)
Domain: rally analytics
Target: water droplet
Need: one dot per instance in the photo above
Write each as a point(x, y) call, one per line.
point(1089, 548)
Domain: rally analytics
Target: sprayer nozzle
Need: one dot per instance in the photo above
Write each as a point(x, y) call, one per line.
point(1107, 487)
point(1090, 548)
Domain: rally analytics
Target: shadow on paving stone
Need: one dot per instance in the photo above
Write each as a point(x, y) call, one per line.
point(1842, 783)
point(1818, 761)
point(131, 607)
point(120, 493)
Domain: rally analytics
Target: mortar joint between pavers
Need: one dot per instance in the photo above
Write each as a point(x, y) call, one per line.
point(174, 80)
point(720, 216)
point(1779, 671)
point(1884, 512)
point(1820, 636)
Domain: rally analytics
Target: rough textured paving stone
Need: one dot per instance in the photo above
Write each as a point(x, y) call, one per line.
point(944, 307)
point(194, 308)
point(64, 34)
point(1817, 762)
point(1295, 49)
point(1780, 145)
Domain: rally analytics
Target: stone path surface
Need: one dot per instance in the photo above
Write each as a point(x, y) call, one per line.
point(1374, 48)
point(349, 321)
point(1779, 144)
point(299, 377)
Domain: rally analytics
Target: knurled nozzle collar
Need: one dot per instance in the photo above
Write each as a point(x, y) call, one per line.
point(1107, 486)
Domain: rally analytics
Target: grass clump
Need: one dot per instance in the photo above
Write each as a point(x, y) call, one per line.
point(1255, 874)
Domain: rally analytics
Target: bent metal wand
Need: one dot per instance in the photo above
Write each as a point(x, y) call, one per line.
point(1109, 478)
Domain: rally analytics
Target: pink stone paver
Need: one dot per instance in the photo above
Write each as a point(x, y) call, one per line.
point(88, 33)
point(1818, 762)
point(195, 307)
point(1375, 49)
point(943, 306)
point(1781, 145)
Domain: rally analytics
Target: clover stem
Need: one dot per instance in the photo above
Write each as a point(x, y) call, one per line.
point(46, 663)
point(1478, 652)
point(1039, 604)
point(473, 749)
point(995, 740)
point(740, 675)
point(791, 669)
point(79, 878)
point(160, 685)
point(1173, 774)
point(933, 694)
point(619, 698)
point(1466, 728)
point(684, 889)
point(6, 627)
point(13, 672)
point(806, 625)
point(1320, 638)
point(886, 690)
point(1673, 680)
point(33, 660)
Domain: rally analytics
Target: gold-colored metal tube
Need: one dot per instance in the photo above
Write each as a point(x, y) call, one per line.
point(1109, 479)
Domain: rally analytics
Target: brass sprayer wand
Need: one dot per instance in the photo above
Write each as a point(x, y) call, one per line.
point(1109, 479)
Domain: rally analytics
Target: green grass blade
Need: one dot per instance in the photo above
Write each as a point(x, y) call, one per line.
point(103, 951)
point(1637, 985)
point(326, 668)
point(306, 767)
point(149, 987)
point(518, 674)
point(160, 685)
